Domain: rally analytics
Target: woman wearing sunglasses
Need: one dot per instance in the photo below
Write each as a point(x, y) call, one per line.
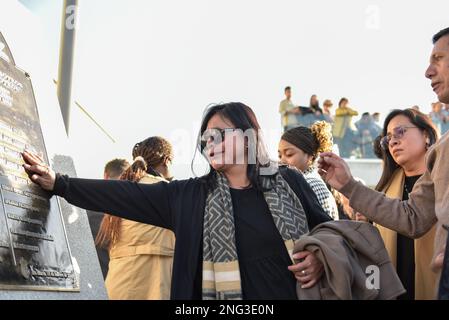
point(235, 227)
point(407, 134)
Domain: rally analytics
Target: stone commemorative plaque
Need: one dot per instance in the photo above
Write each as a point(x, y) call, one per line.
point(34, 251)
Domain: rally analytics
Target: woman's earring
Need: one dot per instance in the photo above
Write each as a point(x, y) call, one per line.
point(427, 144)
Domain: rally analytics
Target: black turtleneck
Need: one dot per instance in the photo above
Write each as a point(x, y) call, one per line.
point(406, 251)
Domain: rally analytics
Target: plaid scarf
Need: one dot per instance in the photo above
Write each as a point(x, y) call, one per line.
point(221, 273)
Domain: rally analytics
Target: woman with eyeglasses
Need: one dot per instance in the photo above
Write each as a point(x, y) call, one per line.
point(235, 227)
point(407, 134)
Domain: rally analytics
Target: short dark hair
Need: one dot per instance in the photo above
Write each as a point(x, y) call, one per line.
point(116, 167)
point(287, 88)
point(440, 34)
point(342, 100)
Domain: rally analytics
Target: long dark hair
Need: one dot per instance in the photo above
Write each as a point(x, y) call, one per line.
point(317, 101)
point(418, 119)
point(243, 118)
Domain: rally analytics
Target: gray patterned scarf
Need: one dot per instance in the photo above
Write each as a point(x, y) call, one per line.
point(221, 273)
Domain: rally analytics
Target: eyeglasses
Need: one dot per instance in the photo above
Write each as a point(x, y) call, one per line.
point(216, 134)
point(398, 133)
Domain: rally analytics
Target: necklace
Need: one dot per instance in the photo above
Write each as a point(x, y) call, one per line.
point(409, 183)
point(406, 189)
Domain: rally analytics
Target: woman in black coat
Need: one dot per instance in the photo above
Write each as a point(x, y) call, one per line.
point(235, 227)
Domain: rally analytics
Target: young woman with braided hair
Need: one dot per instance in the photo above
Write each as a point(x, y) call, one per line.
point(300, 147)
point(235, 227)
point(157, 153)
point(141, 255)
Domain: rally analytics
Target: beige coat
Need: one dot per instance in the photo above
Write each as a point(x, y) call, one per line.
point(425, 278)
point(428, 203)
point(141, 260)
point(349, 251)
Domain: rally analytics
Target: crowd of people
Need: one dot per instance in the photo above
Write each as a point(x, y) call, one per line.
point(255, 228)
point(354, 139)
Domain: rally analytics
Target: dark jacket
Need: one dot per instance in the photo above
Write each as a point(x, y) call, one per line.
point(178, 206)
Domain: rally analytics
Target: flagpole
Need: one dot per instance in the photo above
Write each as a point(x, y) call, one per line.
point(66, 57)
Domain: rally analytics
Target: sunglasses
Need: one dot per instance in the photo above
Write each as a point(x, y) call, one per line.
point(217, 136)
point(398, 133)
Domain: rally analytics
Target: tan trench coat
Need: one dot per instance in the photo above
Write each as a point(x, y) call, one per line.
point(141, 260)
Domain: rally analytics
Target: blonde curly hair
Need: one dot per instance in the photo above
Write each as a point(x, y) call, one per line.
point(322, 131)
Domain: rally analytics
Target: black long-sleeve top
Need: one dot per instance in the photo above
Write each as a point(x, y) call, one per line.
point(179, 206)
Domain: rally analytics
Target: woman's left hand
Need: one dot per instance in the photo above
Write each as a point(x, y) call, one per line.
point(309, 271)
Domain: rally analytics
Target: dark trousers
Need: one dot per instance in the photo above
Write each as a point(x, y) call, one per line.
point(443, 290)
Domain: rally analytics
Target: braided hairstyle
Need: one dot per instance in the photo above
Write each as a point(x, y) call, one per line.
point(147, 155)
point(312, 141)
point(109, 231)
point(154, 150)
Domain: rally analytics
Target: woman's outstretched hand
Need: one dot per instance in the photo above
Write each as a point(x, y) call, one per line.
point(38, 171)
point(334, 170)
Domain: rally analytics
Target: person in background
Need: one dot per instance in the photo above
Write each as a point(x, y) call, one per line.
point(407, 135)
point(112, 170)
point(314, 105)
point(437, 115)
point(376, 118)
point(367, 131)
point(309, 115)
point(445, 118)
point(141, 254)
point(327, 114)
point(300, 147)
point(288, 111)
point(344, 130)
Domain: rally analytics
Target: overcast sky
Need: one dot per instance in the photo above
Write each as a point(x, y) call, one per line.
point(147, 68)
